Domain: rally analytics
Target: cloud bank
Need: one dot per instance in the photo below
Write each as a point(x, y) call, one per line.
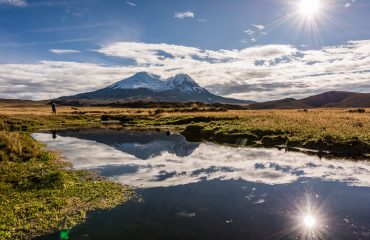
point(257, 73)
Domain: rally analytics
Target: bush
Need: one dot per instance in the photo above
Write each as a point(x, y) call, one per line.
point(158, 111)
point(360, 110)
point(193, 132)
point(120, 118)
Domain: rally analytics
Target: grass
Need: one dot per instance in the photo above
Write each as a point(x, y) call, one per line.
point(334, 130)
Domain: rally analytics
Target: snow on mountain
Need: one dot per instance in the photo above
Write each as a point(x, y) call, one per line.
point(142, 80)
point(182, 82)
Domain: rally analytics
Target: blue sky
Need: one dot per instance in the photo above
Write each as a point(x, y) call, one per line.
point(248, 49)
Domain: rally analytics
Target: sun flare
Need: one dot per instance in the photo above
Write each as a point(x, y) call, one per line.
point(309, 221)
point(309, 8)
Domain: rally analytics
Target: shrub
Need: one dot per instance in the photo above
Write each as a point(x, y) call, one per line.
point(360, 110)
point(158, 111)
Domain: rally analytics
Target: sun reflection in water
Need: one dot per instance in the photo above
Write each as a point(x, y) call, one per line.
point(309, 218)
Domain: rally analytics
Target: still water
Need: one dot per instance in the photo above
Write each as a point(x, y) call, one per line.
point(208, 191)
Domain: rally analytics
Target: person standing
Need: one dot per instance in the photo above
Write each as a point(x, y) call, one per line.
point(54, 108)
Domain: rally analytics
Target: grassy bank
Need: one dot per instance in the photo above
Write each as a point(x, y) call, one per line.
point(39, 193)
point(337, 131)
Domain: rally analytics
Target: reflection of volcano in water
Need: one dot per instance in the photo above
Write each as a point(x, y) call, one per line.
point(141, 144)
point(171, 161)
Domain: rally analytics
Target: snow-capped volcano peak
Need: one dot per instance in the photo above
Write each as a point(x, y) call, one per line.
point(184, 83)
point(141, 80)
point(182, 78)
point(145, 75)
point(181, 82)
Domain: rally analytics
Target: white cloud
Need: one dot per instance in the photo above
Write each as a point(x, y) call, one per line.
point(50, 79)
point(131, 4)
point(63, 51)
point(255, 33)
point(183, 15)
point(258, 73)
point(348, 4)
point(249, 32)
point(18, 3)
point(259, 27)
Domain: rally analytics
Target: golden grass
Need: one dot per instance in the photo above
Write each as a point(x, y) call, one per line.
point(314, 122)
point(335, 122)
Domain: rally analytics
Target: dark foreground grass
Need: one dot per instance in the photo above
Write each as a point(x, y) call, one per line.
point(39, 193)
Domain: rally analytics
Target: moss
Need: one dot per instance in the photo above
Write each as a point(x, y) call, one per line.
point(39, 194)
point(193, 133)
point(198, 119)
point(266, 132)
point(238, 138)
point(346, 147)
point(272, 141)
point(121, 118)
point(58, 202)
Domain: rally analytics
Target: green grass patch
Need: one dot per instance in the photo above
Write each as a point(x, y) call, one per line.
point(40, 194)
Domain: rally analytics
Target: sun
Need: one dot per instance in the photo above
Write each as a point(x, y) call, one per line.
point(309, 8)
point(309, 221)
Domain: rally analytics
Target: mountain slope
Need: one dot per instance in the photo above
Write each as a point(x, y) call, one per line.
point(144, 86)
point(286, 103)
point(327, 99)
point(356, 100)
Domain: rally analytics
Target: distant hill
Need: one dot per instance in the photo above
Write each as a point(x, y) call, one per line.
point(327, 99)
point(148, 87)
point(21, 102)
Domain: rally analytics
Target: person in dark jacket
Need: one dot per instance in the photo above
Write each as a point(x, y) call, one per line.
point(54, 108)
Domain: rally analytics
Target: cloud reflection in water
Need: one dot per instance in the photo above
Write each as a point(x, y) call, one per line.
point(205, 161)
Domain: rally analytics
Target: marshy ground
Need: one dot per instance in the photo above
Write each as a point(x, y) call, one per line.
point(40, 193)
